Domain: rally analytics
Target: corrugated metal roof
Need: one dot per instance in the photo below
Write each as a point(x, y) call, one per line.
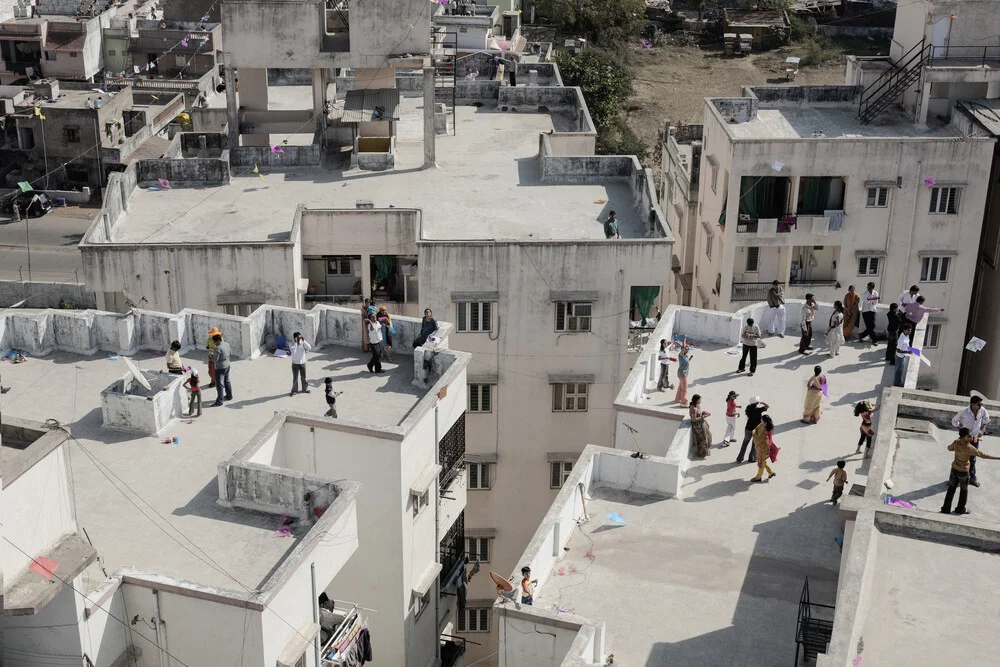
point(64, 41)
point(986, 112)
point(359, 105)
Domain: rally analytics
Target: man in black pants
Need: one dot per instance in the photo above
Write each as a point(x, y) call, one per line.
point(754, 410)
point(806, 324)
point(749, 337)
point(375, 343)
point(892, 333)
point(869, 303)
point(959, 478)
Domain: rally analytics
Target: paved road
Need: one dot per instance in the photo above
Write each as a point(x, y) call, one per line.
point(54, 255)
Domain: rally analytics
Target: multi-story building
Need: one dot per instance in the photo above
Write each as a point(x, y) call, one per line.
point(794, 187)
point(153, 542)
point(680, 167)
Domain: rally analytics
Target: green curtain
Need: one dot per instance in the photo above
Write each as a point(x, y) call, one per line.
point(643, 298)
point(383, 268)
point(748, 195)
point(815, 195)
point(763, 196)
point(722, 216)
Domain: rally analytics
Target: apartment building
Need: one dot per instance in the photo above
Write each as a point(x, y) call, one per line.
point(149, 540)
point(794, 187)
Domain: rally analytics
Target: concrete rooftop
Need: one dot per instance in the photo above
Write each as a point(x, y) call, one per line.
point(152, 506)
point(486, 186)
point(835, 122)
point(723, 567)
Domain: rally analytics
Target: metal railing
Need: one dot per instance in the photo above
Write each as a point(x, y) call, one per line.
point(746, 227)
point(979, 56)
point(818, 282)
point(452, 648)
point(638, 337)
point(751, 291)
point(451, 450)
point(452, 552)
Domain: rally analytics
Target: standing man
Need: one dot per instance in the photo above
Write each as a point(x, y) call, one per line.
point(902, 354)
point(908, 296)
point(663, 356)
point(776, 302)
point(749, 338)
point(973, 419)
point(806, 324)
point(964, 452)
point(915, 311)
point(754, 411)
point(891, 332)
point(298, 348)
point(869, 303)
point(611, 226)
point(427, 327)
point(375, 343)
point(222, 355)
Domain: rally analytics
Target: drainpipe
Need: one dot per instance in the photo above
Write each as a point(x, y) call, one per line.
point(618, 361)
point(913, 221)
point(437, 550)
point(315, 607)
point(161, 639)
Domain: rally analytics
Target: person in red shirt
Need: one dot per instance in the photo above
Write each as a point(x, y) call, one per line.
point(527, 586)
point(732, 414)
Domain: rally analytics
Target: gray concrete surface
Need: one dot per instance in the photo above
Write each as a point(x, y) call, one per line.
point(723, 568)
point(931, 604)
point(489, 170)
point(53, 239)
point(131, 490)
point(800, 122)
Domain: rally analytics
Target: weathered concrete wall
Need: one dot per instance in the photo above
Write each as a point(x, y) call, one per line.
point(133, 411)
point(470, 92)
point(195, 172)
point(377, 231)
point(203, 144)
point(264, 488)
point(807, 95)
point(191, 10)
point(297, 76)
point(291, 156)
point(45, 295)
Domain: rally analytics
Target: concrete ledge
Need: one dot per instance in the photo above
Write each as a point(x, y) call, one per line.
point(30, 592)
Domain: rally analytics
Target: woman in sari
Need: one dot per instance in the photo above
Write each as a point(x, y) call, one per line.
point(813, 409)
point(364, 329)
point(683, 367)
point(851, 312)
point(837, 329)
point(762, 447)
point(699, 426)
point(385, 320)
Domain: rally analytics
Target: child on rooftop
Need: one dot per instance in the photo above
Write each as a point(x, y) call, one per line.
point(839, 476)
point(192, 384)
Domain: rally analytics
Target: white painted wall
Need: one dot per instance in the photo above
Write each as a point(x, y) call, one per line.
point(38, 511)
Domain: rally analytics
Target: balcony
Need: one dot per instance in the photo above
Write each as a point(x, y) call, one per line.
point(964, 57)
point(452, 553)
point(751, 291)
point(452, 651)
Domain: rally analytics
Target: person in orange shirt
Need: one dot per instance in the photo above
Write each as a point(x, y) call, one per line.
point(964, 451)
point(527, 586)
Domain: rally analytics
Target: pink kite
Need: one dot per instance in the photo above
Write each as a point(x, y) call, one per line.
point(645, 44)
point(164, 183)
point(44, 567)
point(825, 388)
point(930, 181)
point(275, 148)
point(184, 42)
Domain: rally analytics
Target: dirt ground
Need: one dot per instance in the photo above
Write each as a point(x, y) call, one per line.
point(672, 81)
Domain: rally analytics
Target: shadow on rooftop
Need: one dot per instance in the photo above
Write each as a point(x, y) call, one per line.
point(762, 629)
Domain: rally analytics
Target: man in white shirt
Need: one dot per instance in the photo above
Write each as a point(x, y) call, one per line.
point(869, 304)
point(663, 356)
point(298, 347)
point(806, 324)
point(902, 354)
point(750, 337)
point(976, 419)
point(776, 302)
point(908, 296)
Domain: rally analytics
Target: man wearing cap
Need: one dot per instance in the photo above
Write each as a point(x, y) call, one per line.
point(754, 411)
point(210, 346)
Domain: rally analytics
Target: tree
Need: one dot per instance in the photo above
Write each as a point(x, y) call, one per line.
point(605, 83)
point(602, 21)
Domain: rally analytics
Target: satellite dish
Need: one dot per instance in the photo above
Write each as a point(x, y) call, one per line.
point(501, 582)
point(136, 373)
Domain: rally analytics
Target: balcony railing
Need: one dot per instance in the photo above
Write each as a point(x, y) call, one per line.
point(751, 291)
point(452, 648)
point(451, 451)
point(785, 225)
point(814, 282)
point(963, 56)
point(452, 552)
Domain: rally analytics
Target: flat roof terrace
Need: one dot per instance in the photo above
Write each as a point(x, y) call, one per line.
point(152, 506)
point(486, 185)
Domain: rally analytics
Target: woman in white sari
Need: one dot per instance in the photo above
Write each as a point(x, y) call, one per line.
point(835, 334)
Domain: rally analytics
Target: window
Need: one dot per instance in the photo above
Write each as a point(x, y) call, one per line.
point(420, 501)
point(480, 398)
point(475, 316)
point(241, 309)
point(421, 602)
point(72, 135)
point(478, 547)
point(868, 266)
point(73, 54)
point(708, 246)
point(715, 177)
point(181, 61)
point(112, 52)
point(474, 619)
point(339, 266)
point(944, 201)
point(753, 259)
point(877, 197)
point(480, 475)
point(558, 473)
point(932, 336)
point(571, 397)
point(934, 269)
point(50, 55)
point(572, 316)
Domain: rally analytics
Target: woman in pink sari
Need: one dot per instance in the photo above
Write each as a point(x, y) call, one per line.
point(813, 409)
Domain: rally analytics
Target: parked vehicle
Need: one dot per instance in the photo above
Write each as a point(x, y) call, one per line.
point(33, 204)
